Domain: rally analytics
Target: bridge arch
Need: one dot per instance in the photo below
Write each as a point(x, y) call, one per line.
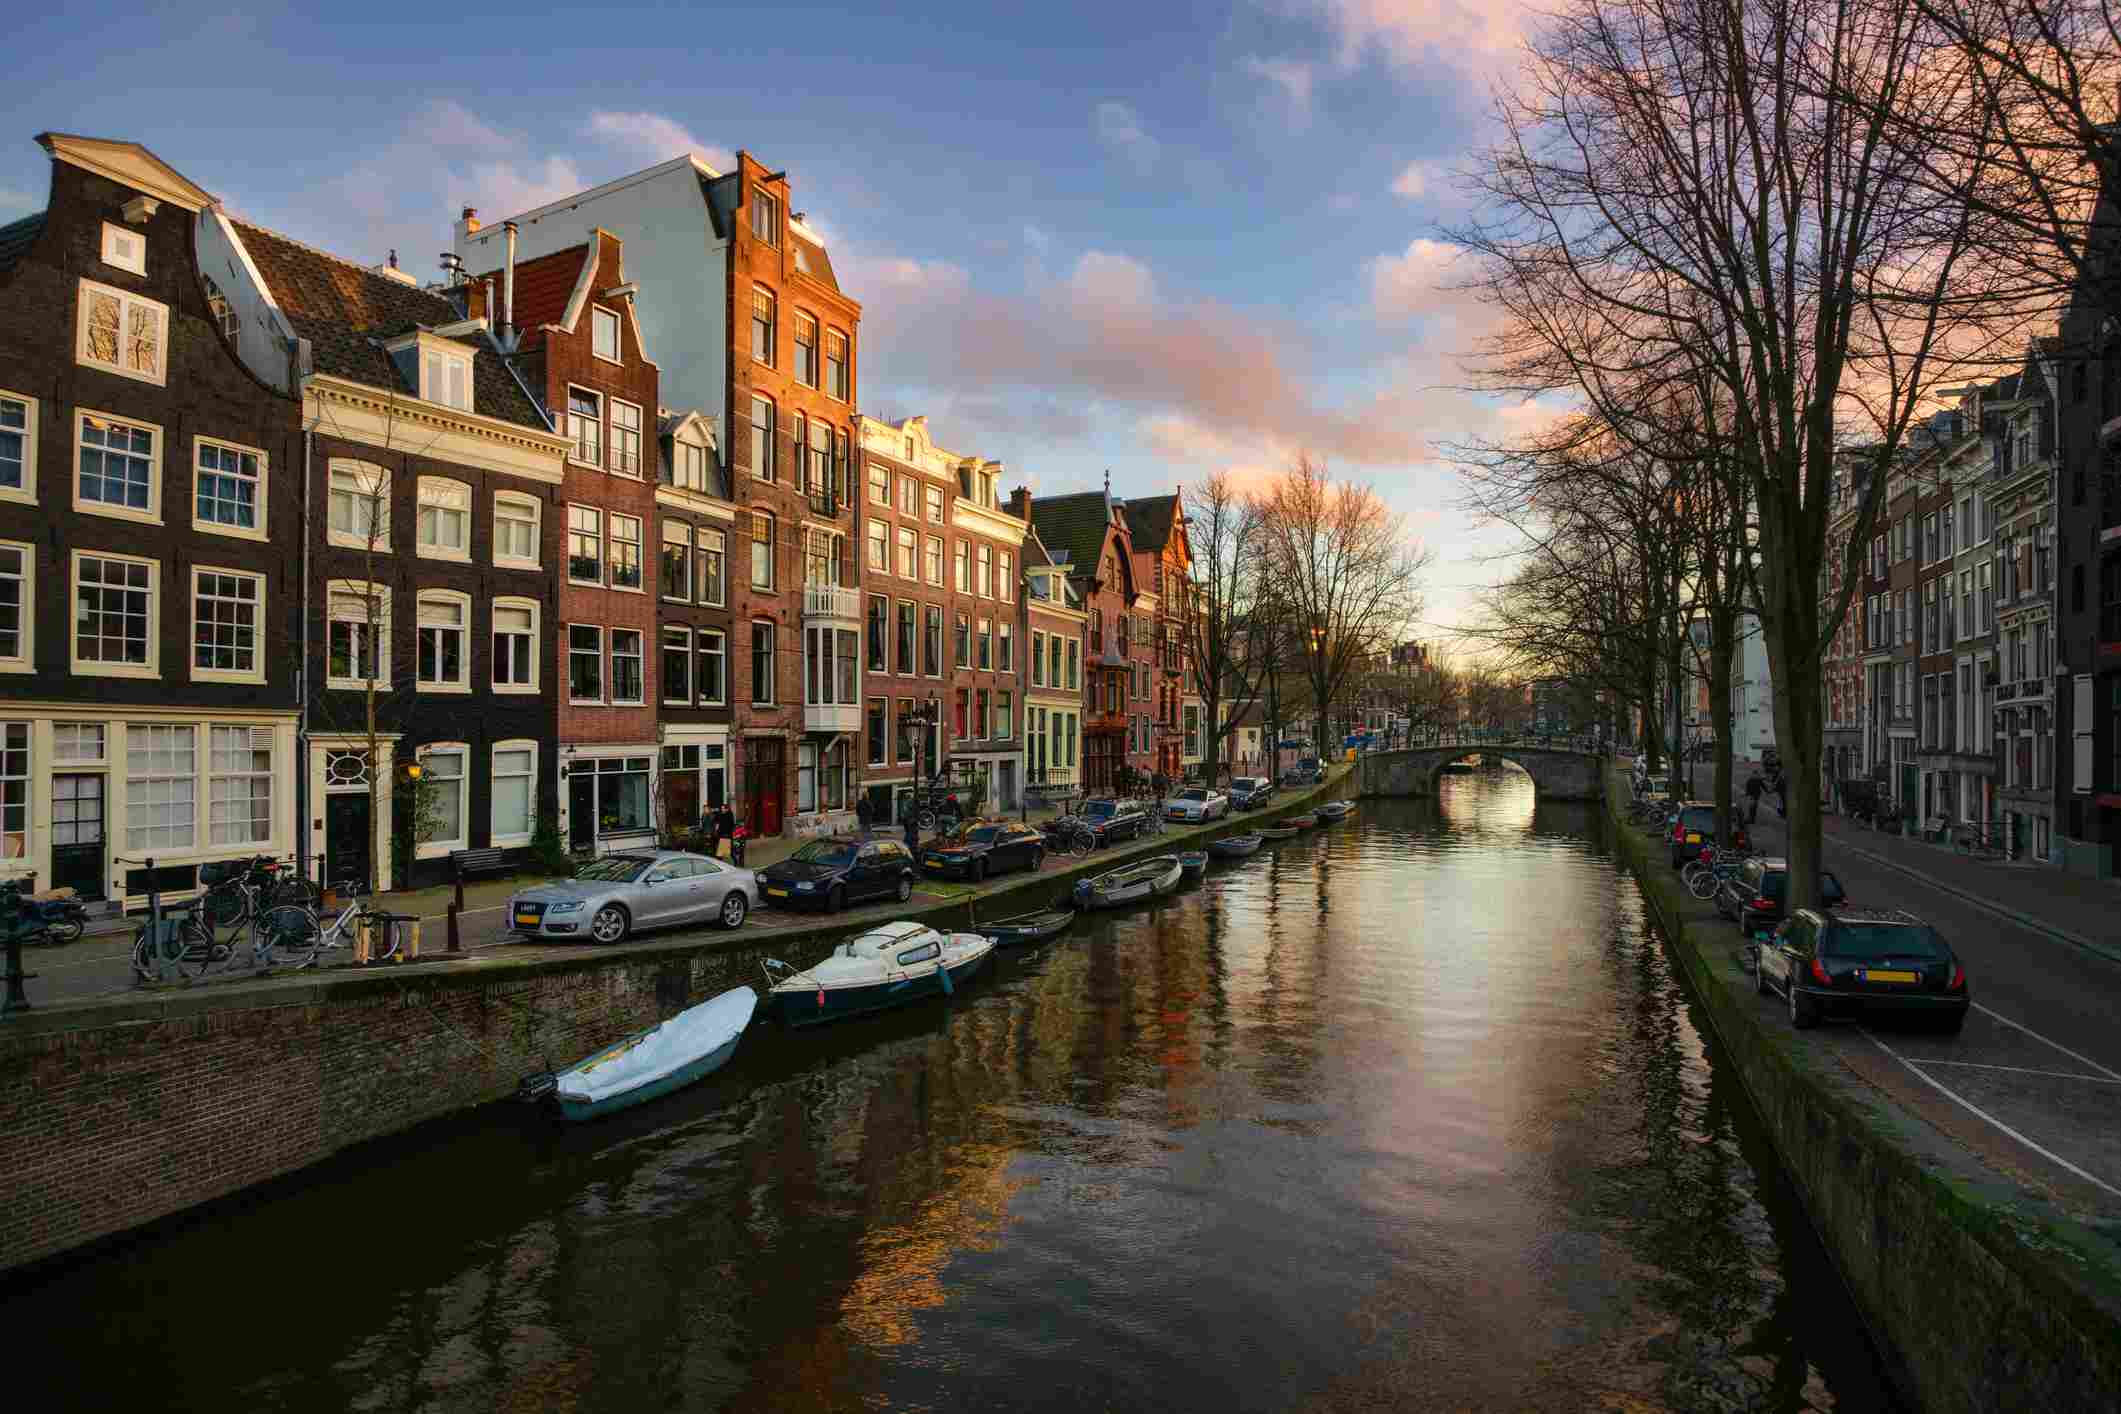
point(1558, 773)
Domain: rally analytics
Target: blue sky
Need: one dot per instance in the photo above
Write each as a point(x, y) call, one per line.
point(1157, 238)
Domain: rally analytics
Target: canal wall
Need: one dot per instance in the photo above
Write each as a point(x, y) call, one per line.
point(1981, 1296)
point(118, 1113)
point(1558, 774)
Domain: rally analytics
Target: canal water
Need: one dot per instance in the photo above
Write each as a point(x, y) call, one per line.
point(1406, 1113)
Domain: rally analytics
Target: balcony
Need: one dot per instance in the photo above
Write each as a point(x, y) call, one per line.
point(823, 504)
point(1101, 722)
point(832, 717)
point(830, 601)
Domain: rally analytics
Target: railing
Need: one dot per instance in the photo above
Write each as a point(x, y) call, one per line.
point(822, 503)
point(830, 601)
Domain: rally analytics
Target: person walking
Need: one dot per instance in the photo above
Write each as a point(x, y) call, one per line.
point(724, 827)
point(1754, 789)
point(861, 813)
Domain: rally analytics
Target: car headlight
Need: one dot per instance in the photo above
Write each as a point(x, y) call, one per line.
point(566, 906)
point(805, 887)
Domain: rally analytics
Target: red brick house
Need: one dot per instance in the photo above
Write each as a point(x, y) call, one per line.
point(1088, 532)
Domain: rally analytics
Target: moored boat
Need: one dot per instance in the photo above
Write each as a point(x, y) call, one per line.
point(688, 1047)
point(885, 967)
point(1303, 820)
point(1279, 832)
point(1130, 883)
point(1236, 846)
point(1193, 862)
point(1335, 810)
point(1026, 927)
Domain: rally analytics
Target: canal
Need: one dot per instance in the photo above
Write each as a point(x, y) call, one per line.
point(1408, 1113)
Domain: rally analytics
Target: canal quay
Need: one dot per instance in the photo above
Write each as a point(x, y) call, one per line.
point(1411, 1112)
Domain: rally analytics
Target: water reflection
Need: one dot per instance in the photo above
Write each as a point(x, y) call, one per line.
point(1410, 1111)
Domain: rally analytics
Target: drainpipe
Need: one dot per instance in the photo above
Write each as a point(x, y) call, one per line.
point(508, 287)
point(302, 684)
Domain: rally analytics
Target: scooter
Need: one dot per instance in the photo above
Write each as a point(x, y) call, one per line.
point(59, 916)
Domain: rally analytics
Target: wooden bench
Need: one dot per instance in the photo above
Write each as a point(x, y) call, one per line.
point(478, 861)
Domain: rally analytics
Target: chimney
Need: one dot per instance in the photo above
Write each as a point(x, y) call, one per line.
point(1020, 503)
point(508, 286)
point(471, 220)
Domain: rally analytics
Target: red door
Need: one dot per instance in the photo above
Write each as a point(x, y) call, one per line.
point(765, 784)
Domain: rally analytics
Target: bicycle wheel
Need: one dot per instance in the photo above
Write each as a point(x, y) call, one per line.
point(386, 935)
point(290, 934)
point(296, 891)
point(197, 951)
point(224, 906)
point(143, 960)
point(1704, 884)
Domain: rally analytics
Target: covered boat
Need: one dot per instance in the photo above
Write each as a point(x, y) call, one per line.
point(689, 1046)
point(1236, 846)
point(1335, 810)
point(1027, 927)
point(882, 968)
point(1193, 862)
point(1130, 883)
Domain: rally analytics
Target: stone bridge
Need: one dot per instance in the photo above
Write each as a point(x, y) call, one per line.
point(1559, 772)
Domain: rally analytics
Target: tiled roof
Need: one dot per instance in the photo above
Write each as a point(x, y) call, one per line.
point(345, 311)
point(1149, 521)
point(1073, 528)
point(16, 237)
point(543, 287)
point(810, 258)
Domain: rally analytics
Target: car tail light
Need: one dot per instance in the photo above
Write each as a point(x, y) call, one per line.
point(1958, 982)
point(1762, 905)
point(1678, 833)
point(1820, 974)
point(1708, 856)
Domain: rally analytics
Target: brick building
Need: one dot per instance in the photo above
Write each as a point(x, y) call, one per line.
point(695, 526)
point(1088, 533)
point(150, 580)
point(1163, 562)
point(1054, 622)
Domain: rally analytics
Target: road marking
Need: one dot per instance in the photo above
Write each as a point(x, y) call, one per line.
point(1956, 1098)
point(2083, 1060)
point(2022, 1070)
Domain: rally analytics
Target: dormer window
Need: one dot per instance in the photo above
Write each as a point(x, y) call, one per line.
point(765, 217)
point(125, 249)
point(445, 378)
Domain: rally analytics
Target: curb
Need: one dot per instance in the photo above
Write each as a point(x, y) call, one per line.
point(2012, 915)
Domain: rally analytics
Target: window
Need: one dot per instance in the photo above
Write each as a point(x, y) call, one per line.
point(905, 638)
point(238, 785)
point(228, 489)
point(961, 567)
point(805, 349)
point(762, 321)
point(873, 733)
point(986, 645)
point(821, 556)
point(688, 468)
point(125, 249)
point(625, 551)
point(1005, 577)
point(714, 581)
point(18, 448)
point(677, 560)
point(585, 424)
point(879, 486)
point(712, 664)
point(677, 664)
point(628, 682)
point(982, 725)
point(444, 623)
point(1005, 655)
point(121, 333)
point(932, 560)
point(585, 663)
point(961, 715)
point(447, 379)
point(761, 550)
point(444, 527)
point(77, 741)
point(515, 779)
point(933, 495)
point(836, 364)
point(442, 782)
point(821, 481)
point(625, 438)
point(1002, 714)
point(604, 334)
point(879, 628)
point(359, 509)
point(515, 531)
point(762, 665)
point(357, 634)
point(115, 616)
point(878, 535)
point(161, 783)
point(585, 545)
point(18, 589)
point(985, 589)
point(907, 548)
point(117, 468)
point(962, 656)
point(762, 429)
point(1075, 675)
point(227, 609)
point(1038, 658)
point(765, 217)
point(515, 640)
point(932, 643)
point(909, 495)
point(906, 732)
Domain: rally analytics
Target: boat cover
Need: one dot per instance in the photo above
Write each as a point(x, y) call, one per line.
point(652, 1055)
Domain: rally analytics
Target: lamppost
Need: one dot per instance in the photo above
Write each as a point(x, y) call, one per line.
point(925, 716)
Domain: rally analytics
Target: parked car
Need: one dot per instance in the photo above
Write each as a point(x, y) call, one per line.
point(1753, 898)
point(1694, 829)
point(1250, 792)
point(1114, 820)
point(832, 873)
point(986, 847)
point(1197, 803)
point(609, 898)
point(1853, 961)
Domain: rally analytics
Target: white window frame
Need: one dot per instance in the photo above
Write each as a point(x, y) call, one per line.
point(577, 423)
point(701, 549)
point(613, 427)
point(513, 601)
point(365, 474)
point(700, 637)
point(679, 533)
point(359, 588)
point(264, 481)
point(601, 319)
point(675, 638)
point(256, 672)
point(116, 258)
point(135, 797)
point(464, 625)
point(26, 660)
point(518, 500)
point(450, 486)
point(639, 655)
point(612, 540)
point(152, 515)
point(682, 452)
point(271, 776)
point(447, 361)
point(435, 849)
point(765, 217)
point(567, 549)
point(603, 674)
point(152, 668)
point(494, 835)
point(31, 411)
point(126, 299)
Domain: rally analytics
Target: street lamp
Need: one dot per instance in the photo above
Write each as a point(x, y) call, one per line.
point(925, 717)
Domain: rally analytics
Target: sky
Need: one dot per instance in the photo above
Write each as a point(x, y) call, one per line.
point(1157, 240)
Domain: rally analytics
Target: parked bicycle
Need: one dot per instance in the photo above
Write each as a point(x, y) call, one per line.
point(1703, 877)
point(175, 939)
point(1980, 842)
point(293, 934)
point(1069, 835)
point(239, 890)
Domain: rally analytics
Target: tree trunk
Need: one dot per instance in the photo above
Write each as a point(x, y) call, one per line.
point(1790, 590)
point(1723, 622)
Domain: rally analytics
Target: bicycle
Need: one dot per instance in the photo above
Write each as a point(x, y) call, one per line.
point(241, 892)
point(1703, 878)
point(1069, 835)
point(295, 931)
point(172, 940)
point(1977, 842)
point(1155, 826)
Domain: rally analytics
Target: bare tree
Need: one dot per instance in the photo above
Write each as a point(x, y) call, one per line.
point(1228, 655)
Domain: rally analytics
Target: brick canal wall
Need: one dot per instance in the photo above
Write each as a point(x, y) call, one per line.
point(1982, 1297)
point(114, 1114)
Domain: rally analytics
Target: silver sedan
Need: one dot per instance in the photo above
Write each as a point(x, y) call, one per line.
point(614, 895)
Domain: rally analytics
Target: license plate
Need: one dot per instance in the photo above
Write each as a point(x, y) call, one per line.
point(1693, 839)
point(777, 893)
point(528, 920)
point(1879, 974)
point(935, 864)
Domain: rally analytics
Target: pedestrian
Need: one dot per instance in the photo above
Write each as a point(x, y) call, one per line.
point(724, 827)
point(736, 846)
point(1782, 796)
point(1754, 789)
point(861, 813)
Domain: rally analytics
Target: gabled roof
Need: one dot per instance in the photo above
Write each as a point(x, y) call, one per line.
point(346, 312)
point(1073, 528)
point(544, 287)
point(810, 258)
point(129, 164)
point(16, 237)
point(1149, 521)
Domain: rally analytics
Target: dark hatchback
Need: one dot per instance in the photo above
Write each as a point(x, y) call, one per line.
point(1857, 961)
point(1114, 820)
point(1250, 792)
point(1694, 829)
point(1754, 897)
point(985, 847)
point(830, 874)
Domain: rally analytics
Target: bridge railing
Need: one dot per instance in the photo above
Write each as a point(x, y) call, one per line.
point(1475, 741)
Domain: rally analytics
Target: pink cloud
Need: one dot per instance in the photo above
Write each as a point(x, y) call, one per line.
point(1461, 34)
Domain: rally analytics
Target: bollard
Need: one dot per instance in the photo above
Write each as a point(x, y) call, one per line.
point(456, 941)
point(460, 890)
point(11, 927)
point(411, 951)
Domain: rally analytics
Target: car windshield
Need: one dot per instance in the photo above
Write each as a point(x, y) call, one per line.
point(1700, 819)
point(613, 869)
point(985, 834)
point(1193, 793)
point(1867, 941)
point(832, 856)
point(1245, 783)
point(1100, 809)
point(1775, 881)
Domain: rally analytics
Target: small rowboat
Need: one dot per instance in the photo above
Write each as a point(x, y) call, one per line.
point(887, 966)
point(1130, 883)
point(1194, 862)
point(1304, 821)
point(689, 1046)
point(1026, 927)
point(1235, 846)
point(1334, 811)
point(1279, 832)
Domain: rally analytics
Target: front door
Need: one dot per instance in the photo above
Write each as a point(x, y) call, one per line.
point(77, 834)
point(765, 785)
point(582, 810)
point(349, 839)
